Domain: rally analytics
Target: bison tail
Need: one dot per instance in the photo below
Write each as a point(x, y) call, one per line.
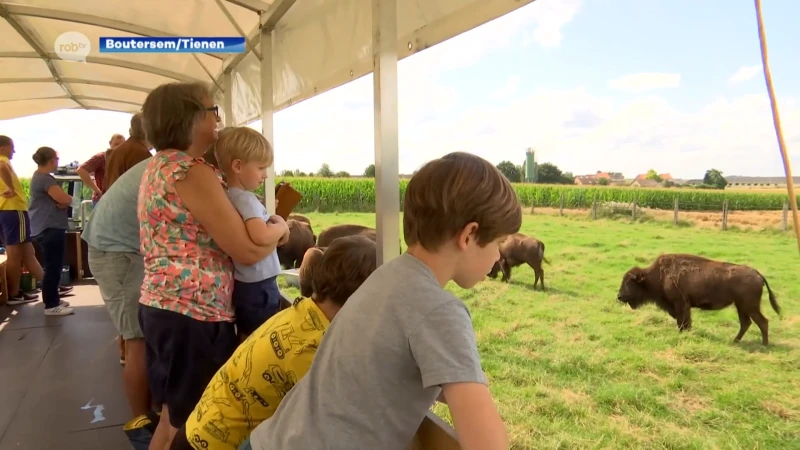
point(773, 301)
point(541, 253)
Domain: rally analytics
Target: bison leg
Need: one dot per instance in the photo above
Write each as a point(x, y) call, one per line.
point(744, 323)
point(506, 268)
point(538, 274)
point(763, 325)
point(683, 315)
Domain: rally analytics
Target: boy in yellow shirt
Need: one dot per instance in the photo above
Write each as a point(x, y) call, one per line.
point(252, 383)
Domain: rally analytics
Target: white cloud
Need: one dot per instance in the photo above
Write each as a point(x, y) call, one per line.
point(508, 89)
point(646, 81)
point(745, 73)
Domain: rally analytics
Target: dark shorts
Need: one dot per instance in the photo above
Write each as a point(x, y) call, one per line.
point(183, 354)
point(15, 227)
point(254, 303)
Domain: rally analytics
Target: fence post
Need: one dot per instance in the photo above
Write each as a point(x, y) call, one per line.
point(785, 221)
point(561, 205)
point(675, 214)
point(533, 202)
point(594, 207)
point(635, 198)
point(725, 215)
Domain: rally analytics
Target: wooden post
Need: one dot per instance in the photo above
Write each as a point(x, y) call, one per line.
point(533, 202)
point(635, 197)
point(594, 207)
point(675, 214)
point(725, 215)
point(561, 205)
point(785, 220)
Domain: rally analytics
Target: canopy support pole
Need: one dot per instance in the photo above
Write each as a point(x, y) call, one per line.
point(227, 100)
point(267, 112)
point(776, 119)
point(387, 163)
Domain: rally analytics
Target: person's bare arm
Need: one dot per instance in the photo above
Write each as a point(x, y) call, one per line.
point(86, 170)
point(59, 196)
point(86, 177)
point(205, 198)
point(475, 417)
point(265, 233)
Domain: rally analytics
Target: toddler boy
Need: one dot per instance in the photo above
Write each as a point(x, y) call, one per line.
point(243, 156)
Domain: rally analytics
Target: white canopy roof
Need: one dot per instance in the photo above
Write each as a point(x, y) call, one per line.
point(317, 45)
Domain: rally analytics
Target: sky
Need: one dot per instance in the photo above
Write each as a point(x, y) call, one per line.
point(591, 85)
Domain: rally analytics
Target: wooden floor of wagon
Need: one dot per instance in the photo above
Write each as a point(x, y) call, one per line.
point(61, 377)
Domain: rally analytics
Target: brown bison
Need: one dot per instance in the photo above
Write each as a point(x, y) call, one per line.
point(299, 218)
point(306, 272)
point(313, 258)
point(518, 249)
point(329, 234)
point(301, 238)
point(678, 282)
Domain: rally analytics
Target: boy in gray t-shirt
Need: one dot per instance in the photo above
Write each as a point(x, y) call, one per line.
point(402, 341)
point(243, 156)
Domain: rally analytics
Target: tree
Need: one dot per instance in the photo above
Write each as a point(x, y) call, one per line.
point(652, 175)
point(287, 173)
point(299, 173)
point(549, 173)
point(510, 171)
point(342, 174)
point(714, 178)
point(603, 181)
point(325, 171)
point(369, 172)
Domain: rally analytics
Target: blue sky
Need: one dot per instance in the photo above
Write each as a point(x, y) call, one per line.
point(614, 85)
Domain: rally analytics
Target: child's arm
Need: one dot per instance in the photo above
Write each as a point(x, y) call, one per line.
point(444, 346)
point(477, 422)
point(261, 232)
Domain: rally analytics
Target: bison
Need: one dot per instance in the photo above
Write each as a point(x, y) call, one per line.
point(301, 238)
point(518, 249)
point(313, 258)
point(678, 282)
point(306, 273)
point(329, 234)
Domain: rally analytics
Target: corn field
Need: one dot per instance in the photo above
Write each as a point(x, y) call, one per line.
point(358, 195)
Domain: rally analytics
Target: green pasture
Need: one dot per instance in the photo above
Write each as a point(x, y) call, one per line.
point(572, 368)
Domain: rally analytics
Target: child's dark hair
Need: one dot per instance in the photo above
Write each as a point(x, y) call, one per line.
point(448, 193)
point(338, 271)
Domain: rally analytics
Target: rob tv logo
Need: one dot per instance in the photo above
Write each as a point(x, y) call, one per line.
point(72, 46)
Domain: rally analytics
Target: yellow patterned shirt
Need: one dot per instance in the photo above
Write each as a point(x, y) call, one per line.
point(248, 388)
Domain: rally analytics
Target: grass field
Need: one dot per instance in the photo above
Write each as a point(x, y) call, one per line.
point(572, 368)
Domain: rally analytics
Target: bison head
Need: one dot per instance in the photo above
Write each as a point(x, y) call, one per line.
point(632, 291)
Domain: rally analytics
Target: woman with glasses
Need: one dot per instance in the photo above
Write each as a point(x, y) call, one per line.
point(48, 216)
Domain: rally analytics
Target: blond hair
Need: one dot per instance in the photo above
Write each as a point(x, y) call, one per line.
point(243, 143)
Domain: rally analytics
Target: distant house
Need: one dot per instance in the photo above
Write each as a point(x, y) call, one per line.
point(740, 182)
point(663, 176)
point(589, 180)
point(645, 183)
point(586, 180)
